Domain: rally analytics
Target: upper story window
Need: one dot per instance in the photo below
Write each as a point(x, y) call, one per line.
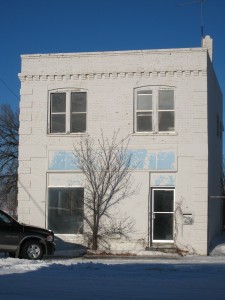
point(165, 110)
point(68, 112)
point(154, 110)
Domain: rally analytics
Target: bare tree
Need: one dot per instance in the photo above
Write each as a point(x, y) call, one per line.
point(9, 136)
point(108, 181)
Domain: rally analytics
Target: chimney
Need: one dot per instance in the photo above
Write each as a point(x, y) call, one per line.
point(207, 43)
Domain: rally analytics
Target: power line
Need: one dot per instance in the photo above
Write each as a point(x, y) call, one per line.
point(11, 91)
point(201, 5)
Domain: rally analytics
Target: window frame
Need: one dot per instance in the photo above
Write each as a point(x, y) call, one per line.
point(57, 113)
point(152, 213)
point(155, 108)
point(61, 190)
point(144, 112)
point(164, 110)
point(68, 113)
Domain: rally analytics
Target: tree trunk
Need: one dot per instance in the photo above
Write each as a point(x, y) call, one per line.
point(95, 229)
point(94, 240)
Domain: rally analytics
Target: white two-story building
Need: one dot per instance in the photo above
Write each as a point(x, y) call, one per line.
point(169, 103)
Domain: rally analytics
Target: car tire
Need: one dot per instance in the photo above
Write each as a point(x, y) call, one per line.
point(32, 250)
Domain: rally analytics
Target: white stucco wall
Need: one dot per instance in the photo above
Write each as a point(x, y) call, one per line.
point(110, 79)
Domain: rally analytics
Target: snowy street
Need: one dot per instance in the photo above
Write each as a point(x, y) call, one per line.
point(153, 278)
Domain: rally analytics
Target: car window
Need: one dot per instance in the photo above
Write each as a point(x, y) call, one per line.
point(4, 219)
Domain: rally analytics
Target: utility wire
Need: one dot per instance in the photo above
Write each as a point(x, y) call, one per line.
point(201, 16)
point(11, 91)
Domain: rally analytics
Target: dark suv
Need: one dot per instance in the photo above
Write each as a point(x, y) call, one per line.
point(24, 241)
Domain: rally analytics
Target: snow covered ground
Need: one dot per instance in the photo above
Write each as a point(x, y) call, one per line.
point(137, 278)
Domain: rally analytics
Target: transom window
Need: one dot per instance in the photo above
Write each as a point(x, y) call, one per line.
point(154, 110)
point(68, 112)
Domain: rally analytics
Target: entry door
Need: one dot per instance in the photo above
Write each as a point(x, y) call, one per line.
point(162, 215)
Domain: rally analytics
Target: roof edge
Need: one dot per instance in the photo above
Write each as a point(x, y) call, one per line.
point(114, 53)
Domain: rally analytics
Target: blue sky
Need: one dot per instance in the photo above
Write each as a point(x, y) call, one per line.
point(51, 26)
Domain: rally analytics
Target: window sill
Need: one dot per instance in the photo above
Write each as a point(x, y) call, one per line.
point(67, 134)
point(155, 133)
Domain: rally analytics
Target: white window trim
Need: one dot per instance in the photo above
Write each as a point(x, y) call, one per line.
point(152, 212)
point(47, 206)
point(155, 110)
point(68, 92)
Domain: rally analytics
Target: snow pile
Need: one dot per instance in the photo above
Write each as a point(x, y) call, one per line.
point(218, 246)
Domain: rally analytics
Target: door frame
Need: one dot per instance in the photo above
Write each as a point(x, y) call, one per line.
point(151, 214)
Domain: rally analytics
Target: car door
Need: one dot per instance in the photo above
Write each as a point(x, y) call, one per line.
point(10, 233)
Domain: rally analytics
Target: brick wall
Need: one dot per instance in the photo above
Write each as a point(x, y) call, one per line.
point(110, 79)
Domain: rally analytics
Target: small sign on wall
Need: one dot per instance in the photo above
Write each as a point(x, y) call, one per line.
point(188, 219)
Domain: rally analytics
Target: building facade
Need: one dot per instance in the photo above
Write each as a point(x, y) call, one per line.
point(167, 101)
